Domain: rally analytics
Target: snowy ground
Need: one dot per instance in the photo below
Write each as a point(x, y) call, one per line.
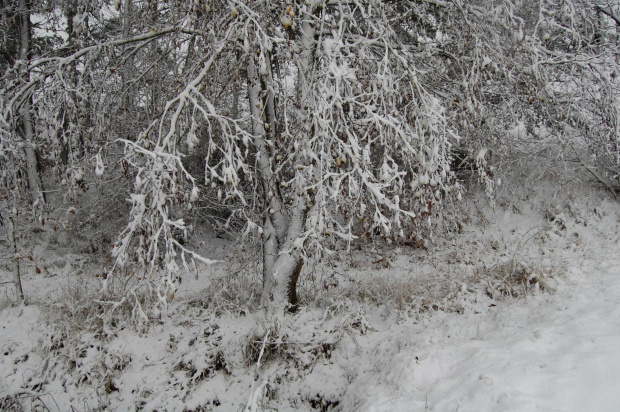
point(521, 312)
point(556, 352)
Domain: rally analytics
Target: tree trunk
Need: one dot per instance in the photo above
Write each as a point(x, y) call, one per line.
point(281, 262)
point(17, 279)
point(287, 268)
point(283, 278)
point(32, 169)
point(293, 299)
point(127, 11)
point(283, 292)
point(236, 90)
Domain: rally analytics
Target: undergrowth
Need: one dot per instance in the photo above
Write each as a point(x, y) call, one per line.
point(84, 321)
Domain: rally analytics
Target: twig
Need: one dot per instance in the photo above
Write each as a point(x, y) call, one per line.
point(521, 243)
point(31, 394)
point(600, 179)
point(251, 406)
point(596, 176)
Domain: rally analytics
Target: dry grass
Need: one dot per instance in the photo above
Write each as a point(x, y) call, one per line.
point(515, 280)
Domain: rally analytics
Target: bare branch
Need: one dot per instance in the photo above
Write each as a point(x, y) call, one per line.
point(609, 13)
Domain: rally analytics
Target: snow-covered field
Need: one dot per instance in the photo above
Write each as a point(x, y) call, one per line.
point(520, 312)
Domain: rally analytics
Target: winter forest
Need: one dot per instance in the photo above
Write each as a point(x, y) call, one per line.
point(267, 205)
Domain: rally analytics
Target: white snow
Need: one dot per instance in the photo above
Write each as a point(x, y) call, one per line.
point(547, 353)
point(467, 346)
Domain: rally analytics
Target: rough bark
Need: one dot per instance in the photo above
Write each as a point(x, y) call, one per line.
point(293, 299)
point(17, 279)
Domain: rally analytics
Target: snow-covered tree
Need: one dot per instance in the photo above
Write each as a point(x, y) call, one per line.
point(523, 77)
point(337, 136)
point(309, 124)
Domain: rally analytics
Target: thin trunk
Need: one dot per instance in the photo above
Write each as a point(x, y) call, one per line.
point(305, 63)
point(236, 85)
point(270, 103)
point(34, 180)
point(17, 279)
point(127, 17)
point(270, 252)
point(71, 144)
point(155, 90)
point(259, 108)
point(270, 243)
point(598, 39)
point(617, 41)
point(32, 170)
point(236, 90)
point(127, 72)
point(235, 108)
point(190, 55)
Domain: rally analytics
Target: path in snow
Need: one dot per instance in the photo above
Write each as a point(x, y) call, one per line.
point(556, 352)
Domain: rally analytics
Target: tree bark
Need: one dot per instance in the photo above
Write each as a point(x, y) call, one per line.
point(127, 11)
point(289, 263)
point(281, 262)
point(32, 169)
point(17, 279)
point(293, 299)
